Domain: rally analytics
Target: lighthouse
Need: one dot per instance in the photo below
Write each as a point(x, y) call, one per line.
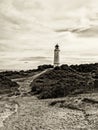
point(56, 56)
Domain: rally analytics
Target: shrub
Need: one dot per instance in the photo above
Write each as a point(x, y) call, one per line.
point(64, 67)
point(85, 67)
point(61, 82)
point(7, 86)
point(43, 67)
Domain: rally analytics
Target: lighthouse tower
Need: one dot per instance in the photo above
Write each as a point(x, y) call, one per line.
point(56, 56)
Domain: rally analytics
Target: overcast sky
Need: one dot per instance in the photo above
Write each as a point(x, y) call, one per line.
point(29, 29)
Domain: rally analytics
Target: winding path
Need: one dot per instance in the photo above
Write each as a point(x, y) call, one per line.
point(25, 83)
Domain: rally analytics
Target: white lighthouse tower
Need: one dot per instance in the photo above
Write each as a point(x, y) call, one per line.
point(56, 56)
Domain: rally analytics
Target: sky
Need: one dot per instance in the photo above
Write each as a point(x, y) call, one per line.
point(29, 30)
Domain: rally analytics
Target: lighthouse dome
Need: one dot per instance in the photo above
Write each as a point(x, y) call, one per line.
point(56, 46)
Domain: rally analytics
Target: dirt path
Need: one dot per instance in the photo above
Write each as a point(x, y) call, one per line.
point(25, 83)
point(34, 114)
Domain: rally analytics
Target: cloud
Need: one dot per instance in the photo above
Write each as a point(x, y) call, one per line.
point(31, 28)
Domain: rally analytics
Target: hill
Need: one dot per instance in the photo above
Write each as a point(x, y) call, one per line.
point(63, 81)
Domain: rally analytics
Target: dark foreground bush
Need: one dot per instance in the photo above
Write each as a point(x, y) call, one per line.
point(7, 86)
point(61, 82)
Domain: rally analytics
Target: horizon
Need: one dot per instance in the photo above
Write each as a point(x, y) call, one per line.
point(30, 29)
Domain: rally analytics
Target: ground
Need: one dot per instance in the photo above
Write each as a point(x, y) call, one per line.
point(26, 112)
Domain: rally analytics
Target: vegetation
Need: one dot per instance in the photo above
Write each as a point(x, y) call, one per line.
point(43, 67)
point(22, 73)
point(7, 86)
point(62, 81)
point(18, 74)
point(85, 67)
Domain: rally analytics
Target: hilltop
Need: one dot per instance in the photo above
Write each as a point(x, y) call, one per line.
point(66, 80)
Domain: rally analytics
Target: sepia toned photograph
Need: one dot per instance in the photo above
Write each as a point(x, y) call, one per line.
point(48, 64)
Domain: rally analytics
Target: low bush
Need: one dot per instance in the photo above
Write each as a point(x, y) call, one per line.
point(86, 68)
point(61, 82)
point(7, 86)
